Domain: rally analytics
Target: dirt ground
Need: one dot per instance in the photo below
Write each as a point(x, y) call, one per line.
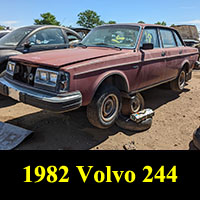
point(177, 116)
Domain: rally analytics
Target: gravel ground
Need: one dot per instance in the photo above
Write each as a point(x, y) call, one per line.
point(177, 116)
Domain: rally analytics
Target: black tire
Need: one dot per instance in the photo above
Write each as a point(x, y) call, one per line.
point(104, 109)
point(128, 124)
point(132, 105)
point(179, 83)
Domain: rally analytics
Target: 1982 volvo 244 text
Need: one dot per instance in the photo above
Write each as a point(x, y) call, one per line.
point(111, 65)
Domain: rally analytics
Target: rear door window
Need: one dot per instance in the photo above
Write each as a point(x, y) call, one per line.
point(167, 38)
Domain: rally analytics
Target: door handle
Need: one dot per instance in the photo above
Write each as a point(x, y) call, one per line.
point(163, 53)
point(180, 52)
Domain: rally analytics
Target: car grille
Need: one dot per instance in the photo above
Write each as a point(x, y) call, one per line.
point(25, 74)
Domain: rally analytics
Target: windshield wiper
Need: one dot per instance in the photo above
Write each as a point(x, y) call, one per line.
point(108, 45)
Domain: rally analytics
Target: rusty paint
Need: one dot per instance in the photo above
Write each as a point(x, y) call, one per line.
point(89, 66)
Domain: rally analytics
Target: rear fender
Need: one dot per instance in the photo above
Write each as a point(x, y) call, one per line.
point(186, 66)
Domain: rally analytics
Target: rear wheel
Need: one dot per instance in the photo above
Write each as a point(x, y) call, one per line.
point(104, 108)
point(179, 83)
point(133, 104)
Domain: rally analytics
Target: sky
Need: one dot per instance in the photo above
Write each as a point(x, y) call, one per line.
point(17, 13)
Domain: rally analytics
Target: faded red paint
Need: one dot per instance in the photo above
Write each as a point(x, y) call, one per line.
point(62, 57)
point(88, 67)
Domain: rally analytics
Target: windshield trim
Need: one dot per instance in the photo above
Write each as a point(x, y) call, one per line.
point(128, 25)
point(138, 37)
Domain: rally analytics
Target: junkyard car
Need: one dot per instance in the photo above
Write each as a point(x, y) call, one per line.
point(190, 35)
point(113, 63)
point(82, 31)
point(35, 38)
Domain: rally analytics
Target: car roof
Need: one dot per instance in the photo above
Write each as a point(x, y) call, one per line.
point(34, 27)
point(40, 26)
point(138, 24)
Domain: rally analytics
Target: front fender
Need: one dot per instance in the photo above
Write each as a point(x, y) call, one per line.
point(100, 79)
point(106, 75)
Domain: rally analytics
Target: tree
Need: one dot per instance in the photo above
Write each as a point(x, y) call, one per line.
point(161, 23)
point(141, 22)
point(2, 27)
point(111, 22)
point(89, 19)
point(47, 19)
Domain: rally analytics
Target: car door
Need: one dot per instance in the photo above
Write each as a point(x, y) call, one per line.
point(45, 39)
point(172, 51)
point(152, 66)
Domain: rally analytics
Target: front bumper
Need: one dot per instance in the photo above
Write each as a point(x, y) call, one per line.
point(196, 138)
point(65, 103)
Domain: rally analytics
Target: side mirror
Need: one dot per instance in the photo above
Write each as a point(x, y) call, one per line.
point(147, 46)
point(74, 43)
point(27, 44)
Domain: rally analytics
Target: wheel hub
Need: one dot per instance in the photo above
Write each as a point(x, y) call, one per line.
point(109, 107)
point(182, 80)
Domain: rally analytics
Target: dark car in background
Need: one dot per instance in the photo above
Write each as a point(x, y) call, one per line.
point(82, 31)
point(35, 38)
point(190, 35)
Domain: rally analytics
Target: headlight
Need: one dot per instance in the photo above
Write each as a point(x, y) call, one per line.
point(46, 77)
point(52, 80)
point(11, 68)
point(43, 76)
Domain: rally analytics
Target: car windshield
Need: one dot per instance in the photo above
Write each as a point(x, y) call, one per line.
point(13, 38)
point(120, 36)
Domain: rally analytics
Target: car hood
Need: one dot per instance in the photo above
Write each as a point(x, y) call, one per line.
point(60, 58)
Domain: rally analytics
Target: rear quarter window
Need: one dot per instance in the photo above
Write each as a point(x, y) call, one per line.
point(178, 40)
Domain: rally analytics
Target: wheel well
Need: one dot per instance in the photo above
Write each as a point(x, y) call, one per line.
point(186, 67)
point(115, 80)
